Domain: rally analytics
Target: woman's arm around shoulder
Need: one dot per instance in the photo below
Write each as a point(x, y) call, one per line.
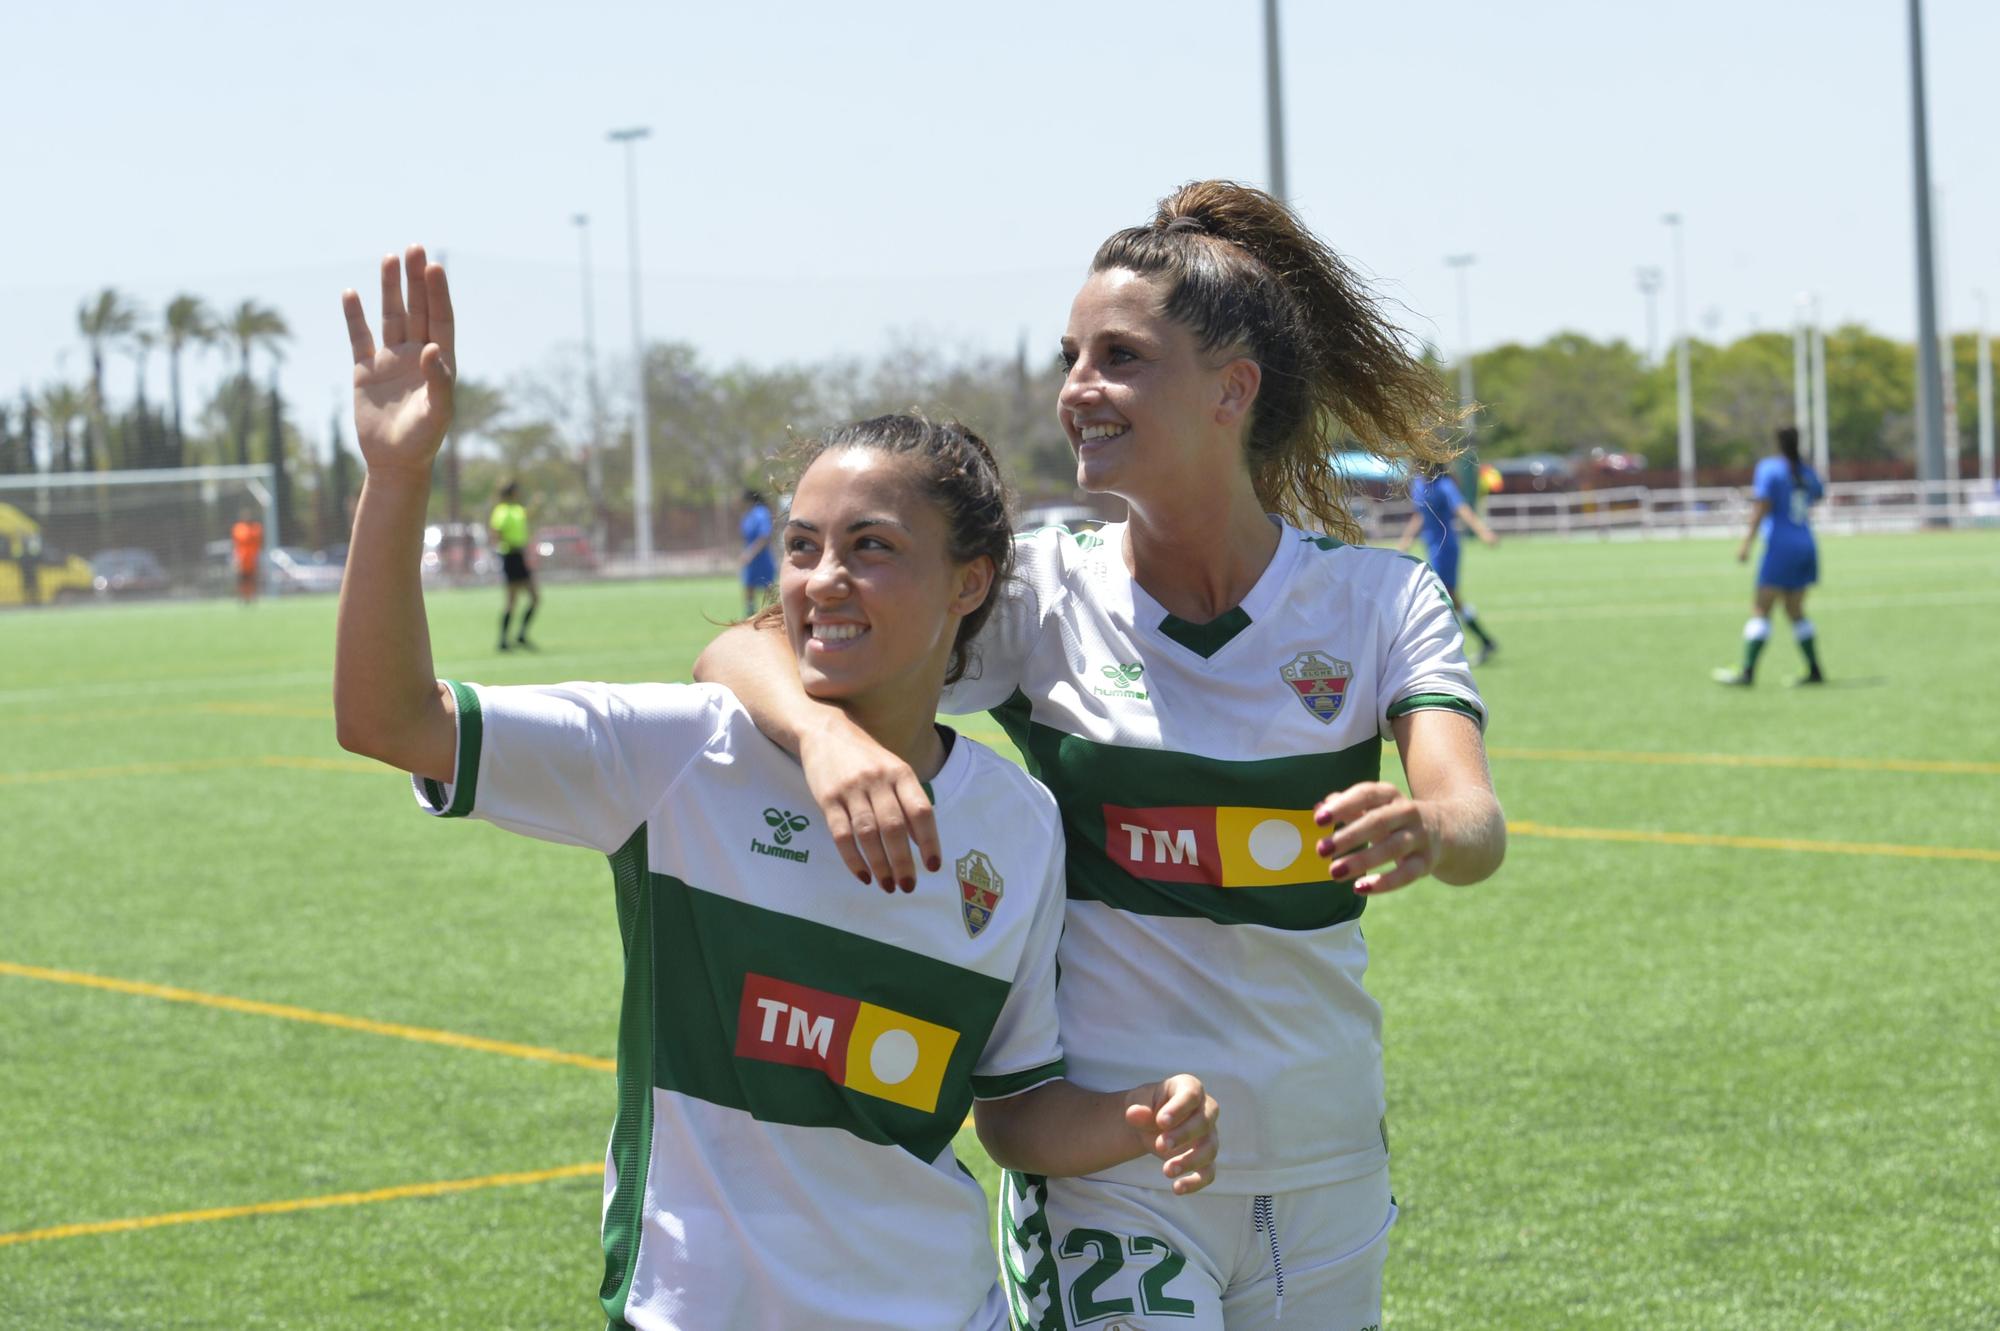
point(1062, 1130)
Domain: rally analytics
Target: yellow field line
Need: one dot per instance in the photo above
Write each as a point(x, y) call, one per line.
point(284, 1011)
point(1528, 829)
point(182, 766)
point(1936, 765)
point(396, 1194)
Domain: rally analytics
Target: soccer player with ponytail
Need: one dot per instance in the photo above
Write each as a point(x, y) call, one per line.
point(1206, 687)
point(1786, 489)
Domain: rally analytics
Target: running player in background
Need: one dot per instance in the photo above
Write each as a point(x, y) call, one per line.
point(246, 540)
point(1785, 489)
point(510, 536)
point(795, 1054)
point(757, 564)
point(1206, 688)
point(1439, 507)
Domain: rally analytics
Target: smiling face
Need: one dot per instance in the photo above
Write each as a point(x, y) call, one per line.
point(1147, 411)
point(871, 596)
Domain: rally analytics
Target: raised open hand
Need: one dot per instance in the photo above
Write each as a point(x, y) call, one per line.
point(402, 389)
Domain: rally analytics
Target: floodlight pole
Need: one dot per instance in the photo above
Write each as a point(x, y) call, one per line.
point(1274, 100)
point(642, 439)
point(1649, 287)
point(1985, 394)
point(1821, 447)
point(1467, 406)
point(1684, 378)
point(593, 455)
point(1930, 380)
point(1802, 372)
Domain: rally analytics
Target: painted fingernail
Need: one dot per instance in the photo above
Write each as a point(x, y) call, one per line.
point(933, 864)
point(908, 884)
point(863, 876)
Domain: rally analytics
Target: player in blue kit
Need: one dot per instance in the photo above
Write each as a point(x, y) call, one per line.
point(1785, 489)
point(1440, 506)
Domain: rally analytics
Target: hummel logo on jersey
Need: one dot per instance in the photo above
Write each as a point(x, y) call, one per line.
point(1220, 846)
point(871, 1050)
point(1320, 681)
point(783, 823)
point(1122, 678)
point(979, 888)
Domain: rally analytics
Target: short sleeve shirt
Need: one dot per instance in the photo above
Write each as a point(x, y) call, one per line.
point(796, 1049)
point(1202, 929)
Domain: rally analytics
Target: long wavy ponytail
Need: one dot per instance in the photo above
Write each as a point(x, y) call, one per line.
point(1241, 271)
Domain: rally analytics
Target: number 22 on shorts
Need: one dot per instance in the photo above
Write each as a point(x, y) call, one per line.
point(1109, 1255)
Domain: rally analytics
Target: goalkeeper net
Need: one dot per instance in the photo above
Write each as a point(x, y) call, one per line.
point(80, 527)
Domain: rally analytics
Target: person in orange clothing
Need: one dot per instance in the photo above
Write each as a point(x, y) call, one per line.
point(248, 538)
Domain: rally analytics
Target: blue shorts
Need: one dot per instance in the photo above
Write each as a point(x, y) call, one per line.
point(1444, 562)
point(1789, 565)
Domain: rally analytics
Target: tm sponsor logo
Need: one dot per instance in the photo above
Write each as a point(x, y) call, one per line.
point(784, 824)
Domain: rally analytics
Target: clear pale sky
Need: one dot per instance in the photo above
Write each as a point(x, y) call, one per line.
point(823, 176)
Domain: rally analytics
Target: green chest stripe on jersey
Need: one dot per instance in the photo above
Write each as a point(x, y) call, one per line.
point(793, 1021)
point(1160, 833)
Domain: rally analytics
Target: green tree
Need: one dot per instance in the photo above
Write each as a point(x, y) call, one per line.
point(251, 326)
point(188, 325)
point(1566, 394)
point(475, 408)
point(104, 321)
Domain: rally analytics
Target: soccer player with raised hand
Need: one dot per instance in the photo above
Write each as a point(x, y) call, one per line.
point(796, 1051)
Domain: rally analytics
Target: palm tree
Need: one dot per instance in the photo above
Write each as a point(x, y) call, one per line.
point(108, 319)
point(251, 326)
point(61, 405)
point(188, 323)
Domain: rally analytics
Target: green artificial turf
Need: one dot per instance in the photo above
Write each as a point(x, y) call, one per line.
point(1632, 1083)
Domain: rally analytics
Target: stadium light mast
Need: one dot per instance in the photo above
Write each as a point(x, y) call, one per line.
point(1684, 380)
point(1802, 369)
point(593, 459)
point(1274, 100)
point(1649, 287)
point(1985, 393)
point(1930, 381)
point(1467, 405)
point(642, 439)
point(1821, 447)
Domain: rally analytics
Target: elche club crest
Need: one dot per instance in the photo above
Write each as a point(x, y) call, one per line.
point(1320, 681)
point(979, 888)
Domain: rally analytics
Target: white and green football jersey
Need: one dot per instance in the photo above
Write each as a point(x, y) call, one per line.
point(1203, 934)
point(796, 1049)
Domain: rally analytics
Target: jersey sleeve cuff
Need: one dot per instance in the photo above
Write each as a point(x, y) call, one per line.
point(455, 800)
point(1448, 702)
point(1013, 1083)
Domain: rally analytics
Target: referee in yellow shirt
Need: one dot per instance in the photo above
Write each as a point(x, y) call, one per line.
point(510, 534)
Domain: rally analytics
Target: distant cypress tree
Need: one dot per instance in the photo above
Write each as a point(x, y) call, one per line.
point(281, 477)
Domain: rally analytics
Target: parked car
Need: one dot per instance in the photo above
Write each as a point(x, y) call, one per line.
point(128, 571)
point(456, 552)
point(295, 569)
point(1533, 473)
point(565, 549)
point(24, 555)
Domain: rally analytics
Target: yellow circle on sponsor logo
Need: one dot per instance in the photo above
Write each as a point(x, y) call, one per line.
point(894, 1057)
point(1275, 844)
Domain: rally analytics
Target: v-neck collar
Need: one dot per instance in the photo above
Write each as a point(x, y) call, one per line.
point(1206, 640)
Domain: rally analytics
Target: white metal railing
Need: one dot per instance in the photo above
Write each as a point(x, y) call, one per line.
point(1640, 511)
